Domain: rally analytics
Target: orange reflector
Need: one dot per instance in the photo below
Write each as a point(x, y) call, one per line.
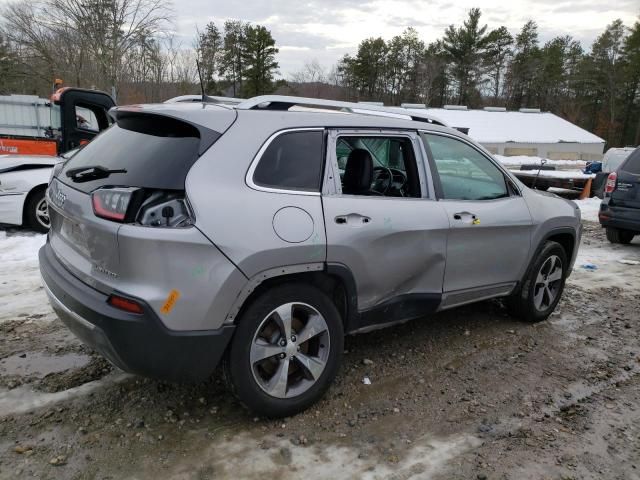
point(125, 304)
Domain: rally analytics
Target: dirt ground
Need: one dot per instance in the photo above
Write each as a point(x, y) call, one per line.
point(467, 394)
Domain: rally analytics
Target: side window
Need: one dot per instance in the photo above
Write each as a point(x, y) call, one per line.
point(292, 161)
point(86, 119)
point(465, 174)
point(632, 163)
point(377, 166)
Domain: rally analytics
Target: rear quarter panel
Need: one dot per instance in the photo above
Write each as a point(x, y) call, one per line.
point(239, 219)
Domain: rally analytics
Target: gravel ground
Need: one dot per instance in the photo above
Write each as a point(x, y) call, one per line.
point(467, 394)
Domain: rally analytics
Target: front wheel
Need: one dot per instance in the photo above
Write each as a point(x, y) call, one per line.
point(542, 286)
point(286, 350)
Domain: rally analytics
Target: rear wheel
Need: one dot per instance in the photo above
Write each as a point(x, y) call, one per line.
point(37, 212)
point(542, 286)
point(618, 235)
point(286, 350)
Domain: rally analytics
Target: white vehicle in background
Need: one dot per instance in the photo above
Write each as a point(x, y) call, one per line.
point(23, 181)
point(614, 157)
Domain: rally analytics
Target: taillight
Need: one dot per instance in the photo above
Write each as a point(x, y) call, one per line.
point(165, 209)
point(150, 208)
point(611, 182)
point(112, 203)
point(125, 304)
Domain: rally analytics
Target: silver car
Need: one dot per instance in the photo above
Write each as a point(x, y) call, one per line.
point(255, 236)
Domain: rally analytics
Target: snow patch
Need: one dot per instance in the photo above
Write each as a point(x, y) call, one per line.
point(243, 453)
point(24, 399)
point(525, 160)
point(589, 208)
point(21, 291)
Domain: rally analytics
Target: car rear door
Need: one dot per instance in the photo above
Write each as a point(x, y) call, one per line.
point(627, 191)
point(489, 239)
point(393, 245)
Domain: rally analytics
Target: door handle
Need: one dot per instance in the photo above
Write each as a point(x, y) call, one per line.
point(354, 219)
point(460, 215)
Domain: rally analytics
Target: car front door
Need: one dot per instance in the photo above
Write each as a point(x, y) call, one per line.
point(385, 226)
point(489, 238)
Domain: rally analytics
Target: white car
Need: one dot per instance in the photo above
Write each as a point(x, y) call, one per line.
point(23, 181)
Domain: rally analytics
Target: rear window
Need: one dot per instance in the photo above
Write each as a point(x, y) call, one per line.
point(156, 152)
point(632, 164)
point(292, 161)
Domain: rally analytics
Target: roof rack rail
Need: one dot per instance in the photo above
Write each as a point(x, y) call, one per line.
point(209, 99)
point(284, 102)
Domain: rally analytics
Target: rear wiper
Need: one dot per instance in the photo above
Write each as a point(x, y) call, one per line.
point(84, 174)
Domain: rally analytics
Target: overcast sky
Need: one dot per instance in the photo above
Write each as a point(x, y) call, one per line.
point(327, 29)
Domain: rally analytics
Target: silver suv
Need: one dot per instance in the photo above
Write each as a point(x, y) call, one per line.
point(257, 235)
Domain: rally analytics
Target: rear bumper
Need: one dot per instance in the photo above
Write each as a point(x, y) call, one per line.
point(136, 343)
point(619, 217)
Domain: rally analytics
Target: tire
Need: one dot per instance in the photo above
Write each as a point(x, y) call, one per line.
point(36, 213)
point(254, 364)
point(618, 235)
point(525, 303)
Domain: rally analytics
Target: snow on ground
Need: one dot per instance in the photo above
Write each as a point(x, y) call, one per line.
point(526, 160)
point(571, 173)
point(21, 291)
point(607, 265)
point(589, 208)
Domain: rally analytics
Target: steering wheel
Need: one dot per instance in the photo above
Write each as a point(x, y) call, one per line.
point(381, 174)
point(399, 178)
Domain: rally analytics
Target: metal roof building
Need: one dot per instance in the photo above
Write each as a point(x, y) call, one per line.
point(527, 132)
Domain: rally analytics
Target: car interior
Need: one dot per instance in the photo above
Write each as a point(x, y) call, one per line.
point(377, 166)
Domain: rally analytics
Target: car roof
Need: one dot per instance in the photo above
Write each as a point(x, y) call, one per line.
point(323, 119)
point(216, 116)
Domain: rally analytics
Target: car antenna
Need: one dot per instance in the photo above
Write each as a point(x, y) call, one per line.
point(205, 97)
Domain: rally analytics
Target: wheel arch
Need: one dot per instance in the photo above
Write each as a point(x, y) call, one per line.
point(30, 195)
point(334, 280)
point(565, 236)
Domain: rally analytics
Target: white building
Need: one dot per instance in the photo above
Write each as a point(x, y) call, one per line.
point(525, 132)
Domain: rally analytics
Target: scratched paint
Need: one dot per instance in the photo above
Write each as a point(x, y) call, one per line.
point(197, 271)
point(317, 252)
point(172, 298)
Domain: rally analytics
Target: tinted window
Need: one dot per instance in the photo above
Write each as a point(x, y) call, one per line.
point(632, 164)
point(465, 173)
point(156, 152)
point(292, 161)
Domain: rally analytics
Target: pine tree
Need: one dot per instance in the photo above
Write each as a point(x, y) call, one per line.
point(258, 56)
point(465, 47)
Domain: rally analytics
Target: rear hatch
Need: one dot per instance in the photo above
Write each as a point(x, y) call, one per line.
point(133, 173)
point(627, 191)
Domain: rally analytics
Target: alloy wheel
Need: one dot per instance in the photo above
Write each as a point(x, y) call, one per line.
point(42, 213)
point(548, 283)
point(290, 350)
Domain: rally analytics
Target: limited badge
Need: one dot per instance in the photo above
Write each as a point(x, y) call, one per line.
point(173, 297)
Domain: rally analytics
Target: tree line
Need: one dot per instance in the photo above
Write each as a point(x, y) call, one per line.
point(598, 89)
point(126, 47)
